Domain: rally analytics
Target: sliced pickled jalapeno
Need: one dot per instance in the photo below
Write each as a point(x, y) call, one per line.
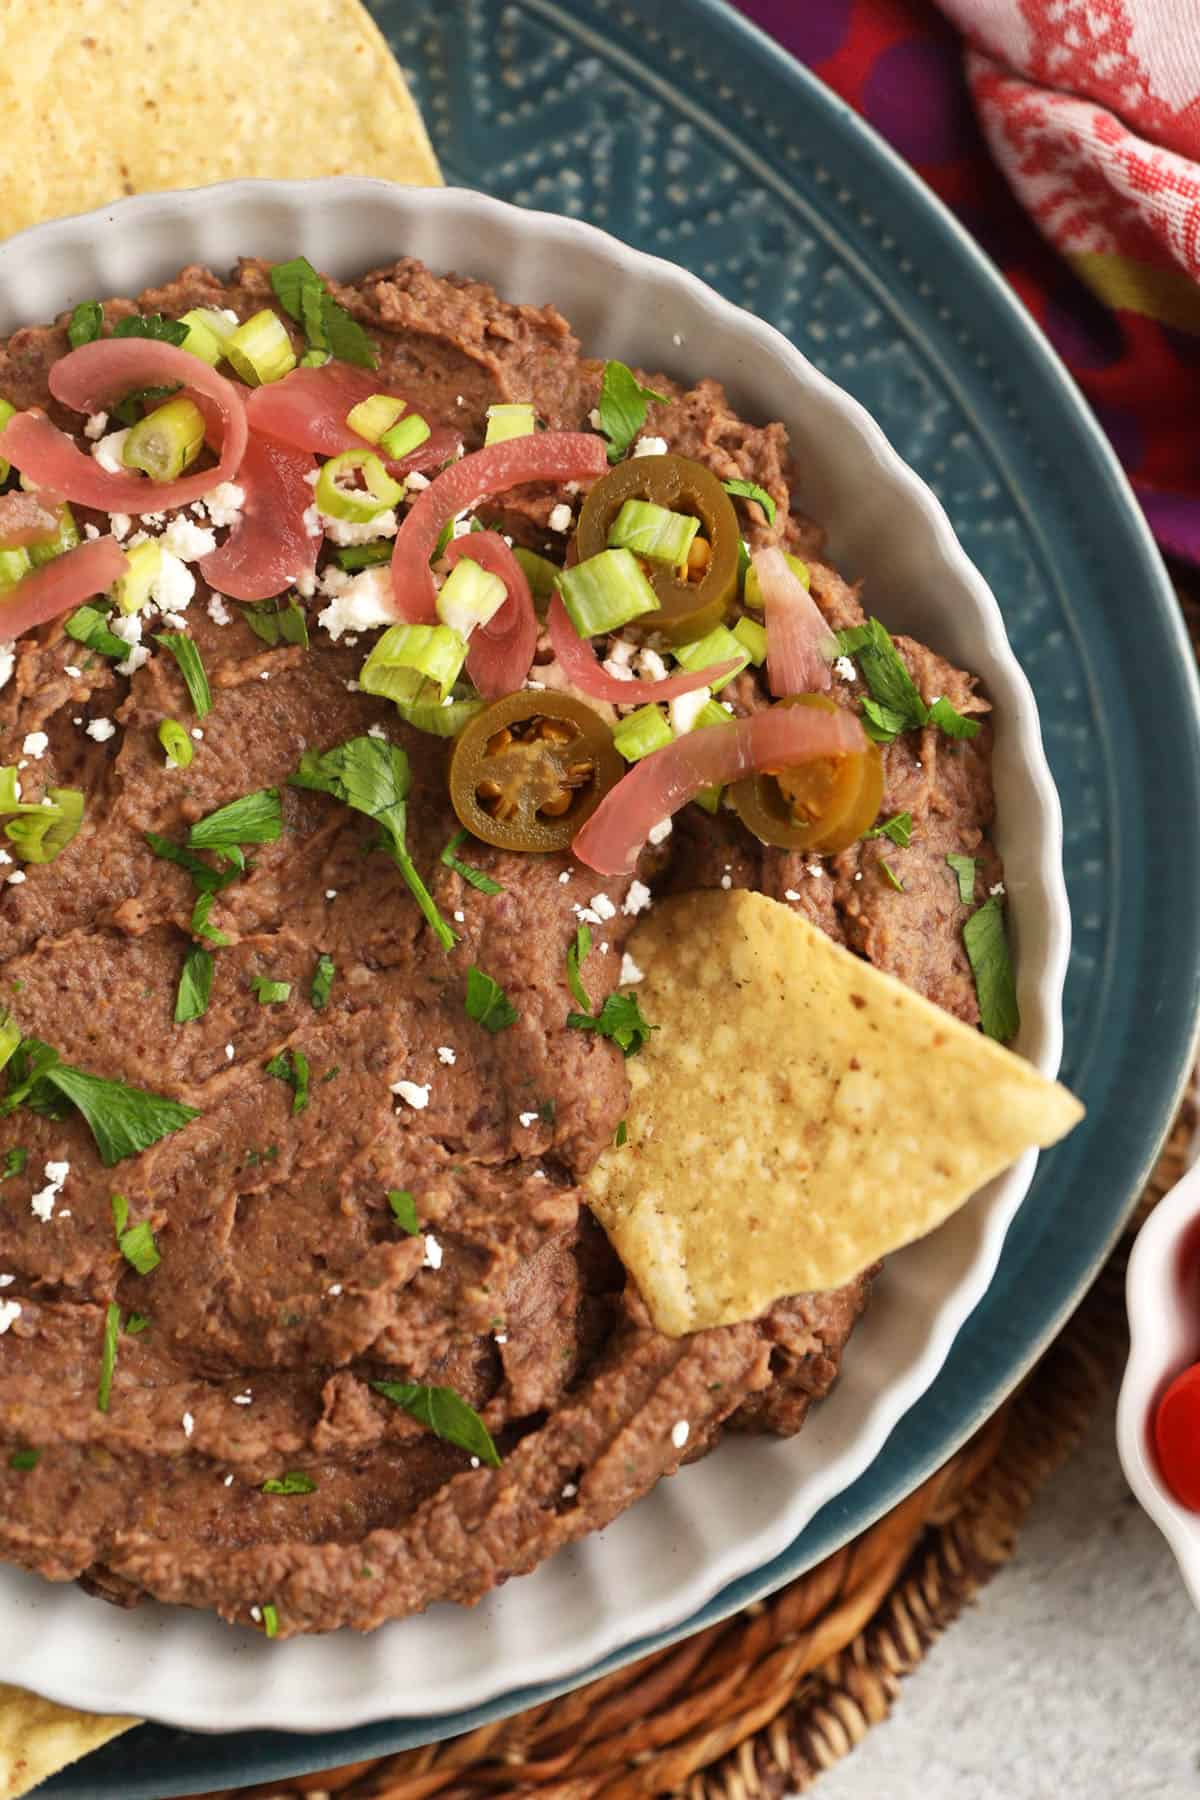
point(530, 769)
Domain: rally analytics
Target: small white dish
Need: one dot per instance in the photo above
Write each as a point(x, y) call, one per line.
point(1162, 1297)
point(743, 1505)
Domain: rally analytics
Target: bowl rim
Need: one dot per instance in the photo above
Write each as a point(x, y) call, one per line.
point(141, 212)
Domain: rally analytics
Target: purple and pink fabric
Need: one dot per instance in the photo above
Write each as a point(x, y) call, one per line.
point(1065, 134)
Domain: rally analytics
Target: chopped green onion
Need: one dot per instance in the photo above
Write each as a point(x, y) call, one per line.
point(898, 828)
point(177, 744)
point(750, 490)
point(711, 713)
point(260, 349)
point(67, 539)
point(14, 566)
point(132, 590)
point(621, 1135)
point(167, 441)
point(487, 1003)
point(294, 1482)
point(605, 592)
point(87, 625)
point(45, 831)
point(10, 792)
point(469, 596)
point(541, 574)
point(374, 415)
point(427, 712)
point(208, 332)
point(752, 635)
point(435, 652)
point(364, 556)
point(10, 1038)
point(86, 323)
point(650, 530)
point(270, 1620)
point(964, 872)
point(402, 439)
point(195, 985)
point(641, 733)
point(743, 562)
point(322, 982)
point(356, 505)
point(987, 949)
point(752, 590)
point(269, 992)
point(717, 646)
point(404, 1209)
point(7, 409)
point(504, 422)
point(184, 650)
point(469, 873)
point(108, 1356)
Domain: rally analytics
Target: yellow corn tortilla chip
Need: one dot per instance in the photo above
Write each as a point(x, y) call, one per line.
point(797, 1115)
point(113, 97)
point(37, 1738)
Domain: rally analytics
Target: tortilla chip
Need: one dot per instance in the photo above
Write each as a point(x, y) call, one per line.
point(113, 97)
point(797, 1115)
point(37, 1738)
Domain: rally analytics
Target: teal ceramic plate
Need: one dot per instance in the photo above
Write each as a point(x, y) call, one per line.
point(681, 129)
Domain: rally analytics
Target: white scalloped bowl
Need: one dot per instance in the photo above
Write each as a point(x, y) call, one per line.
point(1162, 1297)
point(743, 1504)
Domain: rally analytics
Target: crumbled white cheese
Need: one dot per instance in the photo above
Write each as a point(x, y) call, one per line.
point(569, 1490)
point(256, 1614)
point(845, 668)
point(91, 532)
point(229, 1481)
point(459, 916)
point(173, 585)
point(679, 1433)
point(677, 339)
point(5, 857)
point(364, 603)
point(334, 580)
point(500, 1337)
point(658, 834)
point(813, 868)
point(594, 418)
point(229, 1053)
point(127, 626)
point(331, 893)
point(107, 452)
point(8, 660)
point(359, 531)
point(242, 1399)
point(187, 541)
point(197, 734)
point(564, 877)
point(539, 685)
point(10, 1312)
point(650, 446)
point(585, 915)
point(603, 907)
point(685, 709)
point(119, 524)
point(175, 620)
point(7, 1280)
point(101, 730)
point(637, 899)
point(218, 612)
point(727, 882)
point(461, 526)
point(305, 583)
point(16, 878)
point(433, 1253)
point(42, 1204)
point(224, 504)
point(137, 659)
point(651, 665)
point(72, 671)
point(447, 1055)
point(630, 972)
point(413, 1093)
point(528, 1118)
point(618, 671)
point(335, 1291)
point(188, 1423)
point(997, 889)
point(417, 481)
point(560, 517)
point(621, 652)
point(36, 744)
point(96, 426)
point(790, 894)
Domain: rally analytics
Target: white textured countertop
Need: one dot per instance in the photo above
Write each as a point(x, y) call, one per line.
point(1075, 1673)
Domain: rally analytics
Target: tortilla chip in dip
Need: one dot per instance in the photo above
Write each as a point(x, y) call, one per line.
point(797, 1115)
point(114, 97)
point(37, 1738)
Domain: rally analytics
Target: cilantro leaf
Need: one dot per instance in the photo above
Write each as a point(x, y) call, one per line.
point(279, 621)
point(14, 1163)
point(577, 954)
point(254, 819)
point(487, 1003)
point(294, 1482)
point(151, 325)
point(120, 1213)
point(200, 924)
point(950, 721)
point(620, 1018)
point(446, 1414)
point(291, 1067)
point(135, 1323)
point(404, 1209)
point(470, 874)
point(623, 404)
point(191, 668)
point(24, 1459)
point(133, 406)
point(88, 625)
point(898, 706)
point(207, 879)
point(123, 1120)
point(86, 323)
point(898, 828)
point(327, 326)
point(987, 949)
point(373, 777)
point(108, 1356)
point(139, 1248)
point(750, 490)
point(621, 1135)
point(964, 869)
point(195, 985)
point(322, 982)
point(270, 992)
point(891, 875)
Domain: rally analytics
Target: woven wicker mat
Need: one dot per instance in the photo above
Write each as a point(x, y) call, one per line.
point(756, 1707)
